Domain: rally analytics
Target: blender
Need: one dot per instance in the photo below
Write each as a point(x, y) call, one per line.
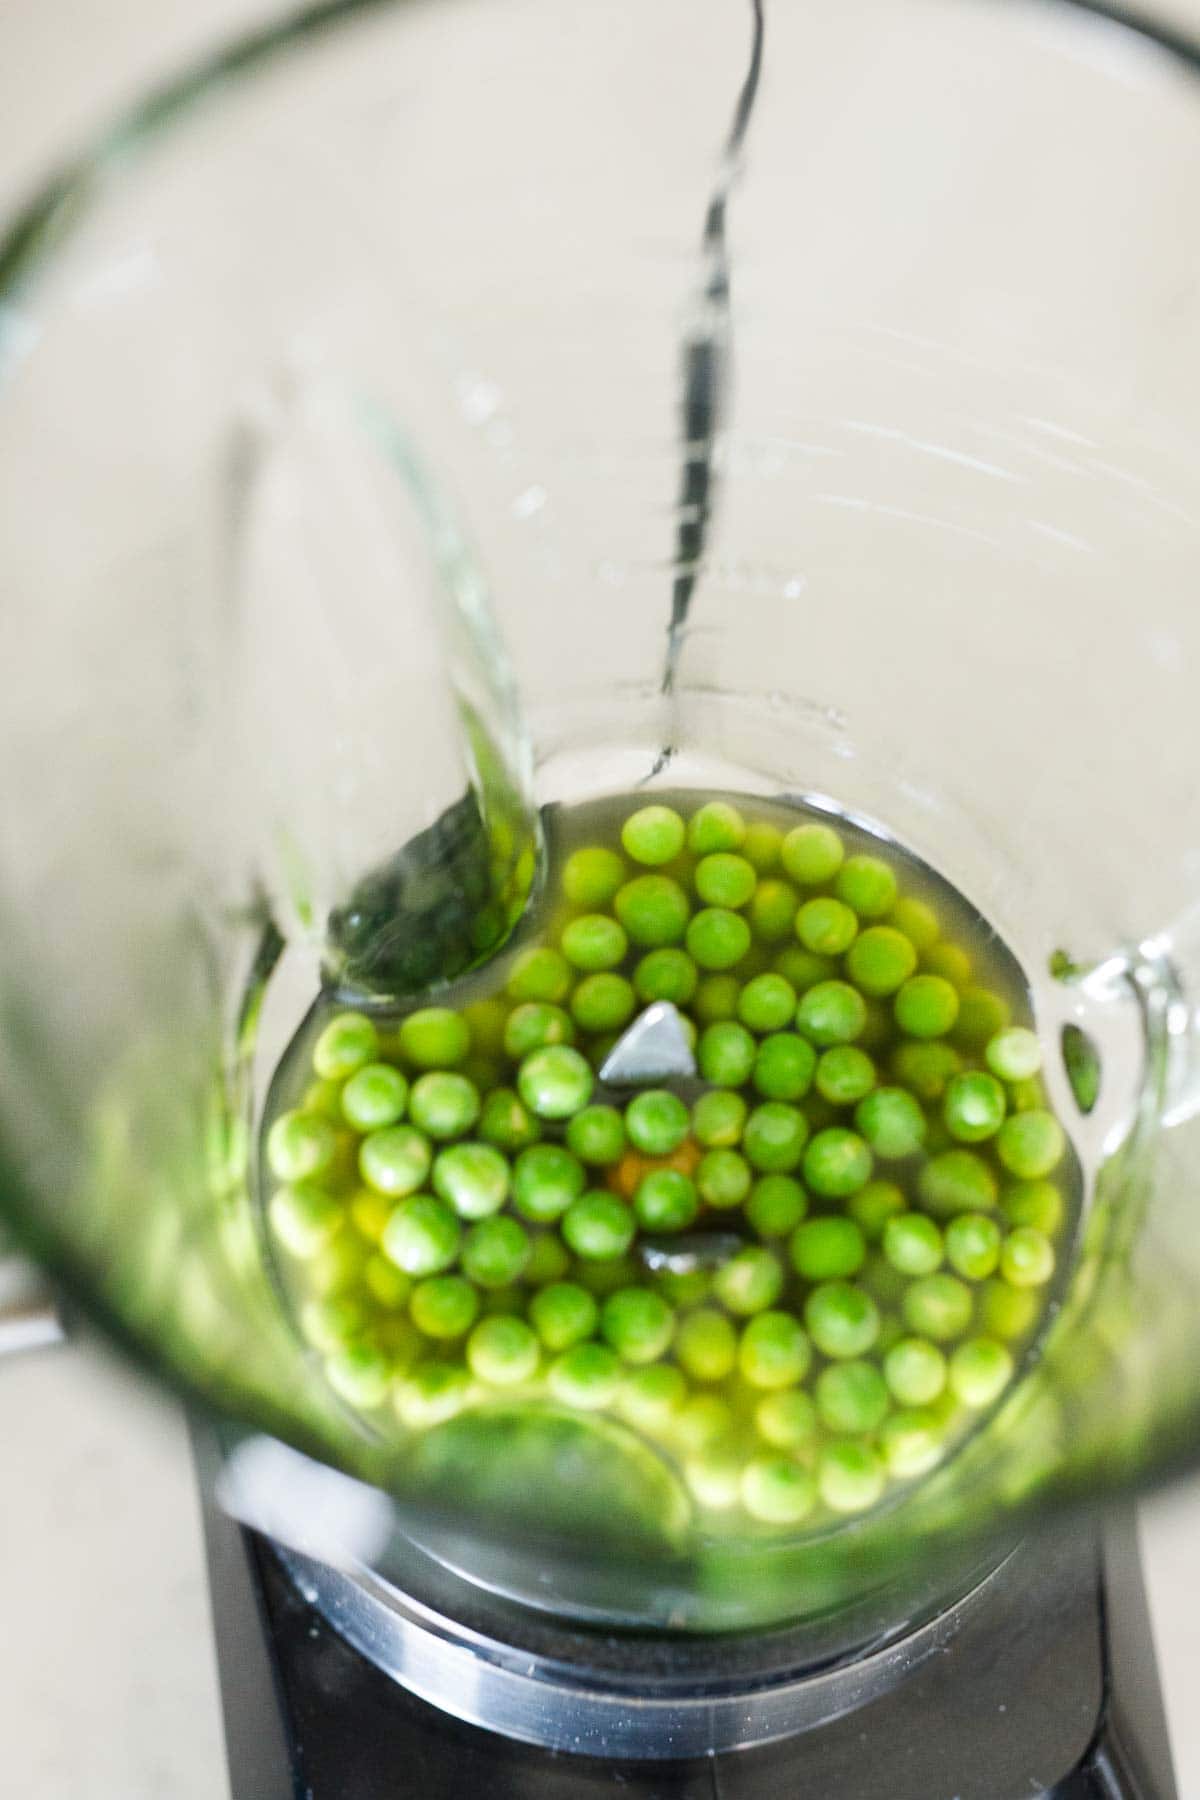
point(791, 406)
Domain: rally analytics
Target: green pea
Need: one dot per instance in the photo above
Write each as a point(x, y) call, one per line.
point(718, 1119)
point(915, 1371)
point(774, 1138)
point(346, 1044)
point(777, 1490)
point(666, 1201)
point(539, 973)
point(653, 909)
point(980, 1370)
point(851, 1397)
point(749, 1282)
point(974, 1107)
point(300, 1146)
point(717, 938)
point(597, 1135)
point(495, 1252)
point(973, 1245)
point(555, 1082)
point(873, 1206)
point(842, 1320)
point(826, 926)
point(502, 1351)
point(593, 942)
point(715, 826)
point(850, 1477)
point(303, 1219)
point(776, 1205)
point(774, 1351)
point(598, 1226)
point(826, 1249)
point(1027, 1258)
point(586, 1376)
point(422, 1236)
point(892, 1123)
point(443, 1105)
point(723, 1179)
point(917, 921)
point(880, 960)
point(668, 974)
point(656, 1122)
point(652, 1396)
point(767, 1003)
point(786, 1418)
point(1014, 1055)
point(563, 1314)
point(653, 835)
point(868, 885)
point(472, 1178)
point(981, 1014)
point(761, 845)
point(332, 1324)
point(837, 1162)
point(435, 1038)
point(804, 969)
point(506, 1122)
point(395, 1161)
point(913, 1244)
point(591, 876)
point(444, 1306)
point(433, 1394)
point(725, 1053)
point(950, 961)
point(1030, 1144)
point(926, 1006)
point(956, 1181)
point(926, 1067)
point(361, 1374)
point(706, 1345)
point(832, 1012)
point(844, 1074)
point(773, 908)
point(546, 1179)
point(533, 1025)
point(911, 1443)
point(604, 1002)
point(725, 880)
point(1036, 1203)
point(784, 1066)
point(638, 1324)
point(716, 999)
point(1006, 1312)
point(374, 1096)
point(812, 854)
point(938, 1306)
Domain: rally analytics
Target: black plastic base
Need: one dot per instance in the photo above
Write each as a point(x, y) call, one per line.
point(1050, 1690)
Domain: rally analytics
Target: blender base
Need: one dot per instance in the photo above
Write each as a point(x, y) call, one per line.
point(1047, 1688)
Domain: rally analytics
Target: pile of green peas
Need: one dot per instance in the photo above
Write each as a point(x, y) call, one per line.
point(463, 1211)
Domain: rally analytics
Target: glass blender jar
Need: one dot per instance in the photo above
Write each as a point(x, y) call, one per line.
point(443, 398)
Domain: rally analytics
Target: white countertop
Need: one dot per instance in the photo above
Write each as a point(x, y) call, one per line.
point(107, 1673)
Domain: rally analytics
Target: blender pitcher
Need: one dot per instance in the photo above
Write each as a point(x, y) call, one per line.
point(431, 412)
